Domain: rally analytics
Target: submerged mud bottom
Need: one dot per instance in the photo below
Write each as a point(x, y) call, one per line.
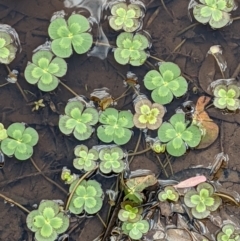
point(21, 181)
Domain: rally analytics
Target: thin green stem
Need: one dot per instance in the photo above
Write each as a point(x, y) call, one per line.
point(9, 200)
point(136, 148)
point(139, 152)
point(68, 88)
point(75, 187)
point(50, 180)
point(169, 164)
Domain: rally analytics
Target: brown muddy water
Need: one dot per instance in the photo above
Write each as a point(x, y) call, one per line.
point(20, 180)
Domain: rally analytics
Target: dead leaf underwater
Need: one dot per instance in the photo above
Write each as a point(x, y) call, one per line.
point(202, 119)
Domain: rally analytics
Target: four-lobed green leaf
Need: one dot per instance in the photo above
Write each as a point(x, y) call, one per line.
point(169, 193)
point(135, 230)
point(129, 212)
point(226, 97)
point(228, 233)
point(178, 136)
point(45, 70)
point(111, 160)
point(47, 222)
point(165, 83)
point(68, 34)
point(87, 197)
point(115, 126)
point(7, 48)
point(202, 201)
point(85, 159)
point(126, 17)
point(20, 141)
point(214, 12)
point(131, 49)
point(77, 120)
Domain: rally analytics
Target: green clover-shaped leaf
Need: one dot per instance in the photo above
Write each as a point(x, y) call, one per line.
point(131, 49)
point(166, 83)
point(111, 160)
point(77, 120)
point(20, 141)
point(85, 159)
point(216, 13)
point(178, 136)
point(115, 126)
point(7, 48)
point(48, 221)
point(87, 197)
point(68, 34)
point(45, 70)
point(126, 17)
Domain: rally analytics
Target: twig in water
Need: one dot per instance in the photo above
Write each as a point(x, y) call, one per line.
point(136, 147)
point(68, 88)
point(9, 200)
point(162, 166)
point(165, 8)
point(47, 178)
point(187, 28)
point(139, 152)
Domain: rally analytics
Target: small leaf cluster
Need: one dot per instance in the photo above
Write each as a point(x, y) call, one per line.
point(45, 70)
point(165, 83)
point(78, 120)
point(48, 221)
point(131, 49)
point(126, 17)
point(214, 12)
point(115, 126)
point(67, 177)
point(20, 141)
point(87, 197)
point(202, 201)
point(228, 233)
point(7, 48)
point(178, 136)
point(169, 193)
point(226, 97)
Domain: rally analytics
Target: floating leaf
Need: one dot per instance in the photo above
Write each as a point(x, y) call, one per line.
point(191, 182)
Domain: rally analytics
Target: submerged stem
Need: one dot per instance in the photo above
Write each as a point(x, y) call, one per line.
point(139, 152)
point(68, 88)
point(50, 180)
point(123, 94)
point(187, 28)
point(136, 148)
point(165, 8)
point(4, 84)
point(162, 166)
point(9, 200)
point(160, 60)
point(76, 185)
point(18, 85)
point(104, 224)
